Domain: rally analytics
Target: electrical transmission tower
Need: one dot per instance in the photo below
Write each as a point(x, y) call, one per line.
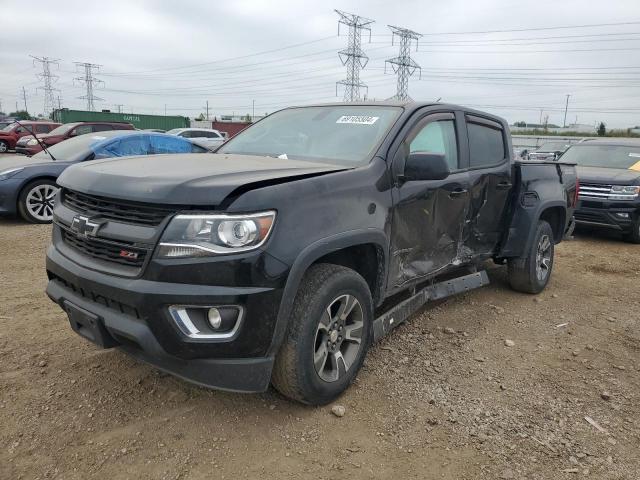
point(89, 82)
point(48, 79)
point(353, 57)
point(403, 65)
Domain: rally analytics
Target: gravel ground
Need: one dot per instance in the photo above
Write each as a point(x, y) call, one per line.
point(491, 384)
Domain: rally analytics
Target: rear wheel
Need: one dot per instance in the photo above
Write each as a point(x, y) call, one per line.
point(4, 146)
point(36, 201)
point(531, 274)
point(329, 334)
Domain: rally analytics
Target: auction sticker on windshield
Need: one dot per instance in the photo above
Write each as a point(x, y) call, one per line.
point(358, 119)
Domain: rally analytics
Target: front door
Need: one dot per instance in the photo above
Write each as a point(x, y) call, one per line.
point(429, 216)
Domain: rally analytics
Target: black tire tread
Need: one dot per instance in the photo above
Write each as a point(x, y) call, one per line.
point(520, 269)
point(285, 374)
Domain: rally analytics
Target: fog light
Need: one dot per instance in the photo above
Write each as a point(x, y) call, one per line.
point(214, 317)
point(622, 214)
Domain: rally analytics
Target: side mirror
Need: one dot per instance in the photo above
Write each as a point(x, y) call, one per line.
point(426, 166)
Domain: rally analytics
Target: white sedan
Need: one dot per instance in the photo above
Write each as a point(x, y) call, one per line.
point(204, 137)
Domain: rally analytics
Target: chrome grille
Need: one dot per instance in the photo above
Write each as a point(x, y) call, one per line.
point(593, 190)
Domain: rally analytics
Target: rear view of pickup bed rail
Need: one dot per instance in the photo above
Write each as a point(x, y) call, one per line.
point(266, 261)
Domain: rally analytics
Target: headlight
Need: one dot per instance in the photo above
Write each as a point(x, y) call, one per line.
point(214, 234)
point(10, 173)
point(624, 192)
point(32, 142)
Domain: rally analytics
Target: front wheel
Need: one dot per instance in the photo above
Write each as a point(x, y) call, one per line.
point(36, 201)
point(4, 147)
point(329, 334)
point(531, 274)
point(634, 235)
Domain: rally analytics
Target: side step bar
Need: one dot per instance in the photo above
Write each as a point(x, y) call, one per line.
point(398, 314)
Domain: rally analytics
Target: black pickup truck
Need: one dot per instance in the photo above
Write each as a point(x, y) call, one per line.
point(284, 255)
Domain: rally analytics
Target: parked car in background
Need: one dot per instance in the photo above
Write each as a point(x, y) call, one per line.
point(30, 146)
point(267, 261)
point(156, 130)
point(609, 174)
point(28, 186)
point(205, 137)
point(548, 151)
point(13, 132)
point(5, 123)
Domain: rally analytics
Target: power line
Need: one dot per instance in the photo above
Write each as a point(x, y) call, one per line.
point(48, 79)
point(353, 57)
point(403, 65)
point(89, 80)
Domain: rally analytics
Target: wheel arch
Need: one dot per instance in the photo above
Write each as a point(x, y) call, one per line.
point(354, 249)
point(28, 181)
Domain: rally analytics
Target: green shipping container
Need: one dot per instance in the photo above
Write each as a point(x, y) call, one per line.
point(139, 121)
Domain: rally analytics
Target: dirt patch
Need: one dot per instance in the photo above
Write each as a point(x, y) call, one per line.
point(445, 396)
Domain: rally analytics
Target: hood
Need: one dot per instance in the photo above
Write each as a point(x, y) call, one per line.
point(184, 179)
point(608, 176)
point(21, 161)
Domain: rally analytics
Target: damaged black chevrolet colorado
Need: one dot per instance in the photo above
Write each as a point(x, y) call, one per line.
point(311, 234)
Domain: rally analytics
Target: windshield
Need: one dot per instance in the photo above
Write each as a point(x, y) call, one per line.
point(9, 127)
point(608, 156)
point(552, 147)
point(62, 129)
point(174, 131)
point(337, 134)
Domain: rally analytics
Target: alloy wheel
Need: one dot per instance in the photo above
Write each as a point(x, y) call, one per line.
point(543, 257)
point(338, 338)
point(40, 201)
point(3, 147)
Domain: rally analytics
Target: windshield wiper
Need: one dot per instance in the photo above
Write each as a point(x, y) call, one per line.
point(37, 140)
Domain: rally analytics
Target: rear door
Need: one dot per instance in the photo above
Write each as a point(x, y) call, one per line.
point(428, 216)
point(489, 181)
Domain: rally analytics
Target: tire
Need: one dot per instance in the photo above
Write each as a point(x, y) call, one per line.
point(634, 235)
point(325, 292)
point(4, 147)
point(36, 201)
point(532, 273)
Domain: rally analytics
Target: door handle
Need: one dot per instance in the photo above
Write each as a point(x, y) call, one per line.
point(458, 192)
point(504, 185)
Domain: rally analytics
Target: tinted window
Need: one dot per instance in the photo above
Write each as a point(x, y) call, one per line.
point(186, 134)
point(438, 137)
point(486, 145)
point(82, 129)
point(210, 134)
point(102, 128)
point(42, 128)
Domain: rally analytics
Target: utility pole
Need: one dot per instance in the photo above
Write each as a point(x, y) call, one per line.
point(207, 107)
point(59, 103)
point(253, 110)
point(119, 107)
point(89, 82)
point(48, 79)
point(353, 57)
point(165, 109)
point(24, 98)
point(540, 122)
point(566, 107)
point(403, 65)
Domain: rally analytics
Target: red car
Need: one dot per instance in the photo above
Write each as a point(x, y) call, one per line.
point(29, 146)
point(13, 132)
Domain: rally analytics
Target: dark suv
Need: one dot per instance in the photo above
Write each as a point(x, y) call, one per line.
point(30, 146)
point(609, 173)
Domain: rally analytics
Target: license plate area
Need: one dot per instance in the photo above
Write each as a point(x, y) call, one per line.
point(88, 325)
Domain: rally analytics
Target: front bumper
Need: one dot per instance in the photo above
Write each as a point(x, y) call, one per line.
point(135, 318)
point(607, 214)
point(9, 190)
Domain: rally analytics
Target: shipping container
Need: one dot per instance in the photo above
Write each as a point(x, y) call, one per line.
point(137, 120)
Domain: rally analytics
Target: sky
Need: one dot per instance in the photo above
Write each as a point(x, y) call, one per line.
point(515, 59)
